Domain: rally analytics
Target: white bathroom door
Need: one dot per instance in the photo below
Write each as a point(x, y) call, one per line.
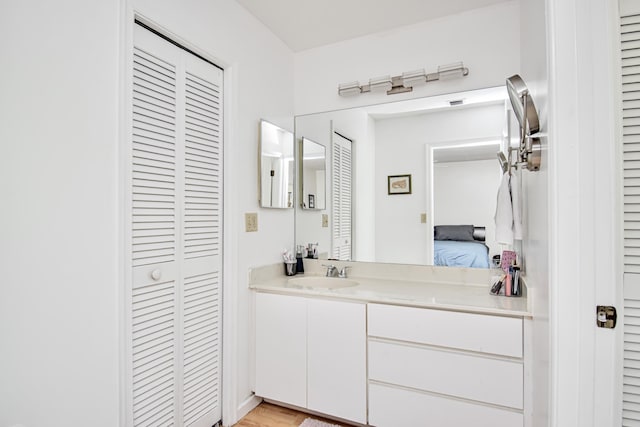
point(176, 223)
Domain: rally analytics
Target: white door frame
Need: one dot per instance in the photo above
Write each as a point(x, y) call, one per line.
point(429, 190)
point(229, 400)
point(584, 212)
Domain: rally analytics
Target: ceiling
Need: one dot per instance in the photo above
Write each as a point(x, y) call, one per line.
point(305, 24)
point(484, 149)
point(470, 98)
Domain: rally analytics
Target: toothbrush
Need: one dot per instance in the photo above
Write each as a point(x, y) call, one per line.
point(287, 256)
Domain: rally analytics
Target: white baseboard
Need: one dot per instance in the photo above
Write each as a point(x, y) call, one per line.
point(247, 406)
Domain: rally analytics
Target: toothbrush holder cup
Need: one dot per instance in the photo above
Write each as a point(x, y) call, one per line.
point(290, 268)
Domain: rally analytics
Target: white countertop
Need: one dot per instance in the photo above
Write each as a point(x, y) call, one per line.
point(447, 296)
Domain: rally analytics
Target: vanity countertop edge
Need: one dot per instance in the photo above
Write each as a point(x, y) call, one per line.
point(463, 297)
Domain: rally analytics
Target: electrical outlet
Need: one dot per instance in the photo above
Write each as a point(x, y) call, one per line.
point(423, 218)
point(250, 221)
point(325, 220)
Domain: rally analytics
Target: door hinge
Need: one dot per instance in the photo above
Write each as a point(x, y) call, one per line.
point(606, 316)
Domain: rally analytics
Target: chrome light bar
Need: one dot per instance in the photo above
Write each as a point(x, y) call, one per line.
point(405, 82)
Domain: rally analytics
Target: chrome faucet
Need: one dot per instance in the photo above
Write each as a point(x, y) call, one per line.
point(332, 270)
point(343, 272)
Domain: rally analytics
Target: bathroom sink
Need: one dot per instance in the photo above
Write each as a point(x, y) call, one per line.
point(320, 282)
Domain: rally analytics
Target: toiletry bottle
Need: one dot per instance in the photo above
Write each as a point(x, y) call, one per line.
point(310, 250)
point(299, 263)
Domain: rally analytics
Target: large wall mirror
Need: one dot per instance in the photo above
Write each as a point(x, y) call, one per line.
point(447, 145)
point(276, 166)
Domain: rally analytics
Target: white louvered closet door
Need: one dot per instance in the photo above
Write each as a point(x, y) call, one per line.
point(341, 196)
point(176, 236)
point(630, 38)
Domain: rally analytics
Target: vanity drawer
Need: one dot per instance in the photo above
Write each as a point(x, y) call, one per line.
point(485, 379)
point(474, 332)
point(395, 407)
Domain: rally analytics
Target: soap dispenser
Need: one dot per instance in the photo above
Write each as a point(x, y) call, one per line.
point(299, 256)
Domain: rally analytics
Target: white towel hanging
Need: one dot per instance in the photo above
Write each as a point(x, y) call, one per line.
point(514, 187)
point(507, 218)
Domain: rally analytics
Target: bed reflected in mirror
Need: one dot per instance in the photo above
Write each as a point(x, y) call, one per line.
point(464, 230)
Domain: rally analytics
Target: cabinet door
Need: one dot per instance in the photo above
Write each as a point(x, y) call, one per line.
point(337, 381)
point(281, 348)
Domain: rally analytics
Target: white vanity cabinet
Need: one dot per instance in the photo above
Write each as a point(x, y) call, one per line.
point(281, 348)
point(440, 367)
point(311, 353)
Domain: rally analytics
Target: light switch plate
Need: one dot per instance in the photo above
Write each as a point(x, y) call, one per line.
point(250, 222)
point(423, 218)
point(325, 220)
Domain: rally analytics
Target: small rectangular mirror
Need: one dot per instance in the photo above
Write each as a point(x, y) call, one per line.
point(276, 166)
point(314, 168)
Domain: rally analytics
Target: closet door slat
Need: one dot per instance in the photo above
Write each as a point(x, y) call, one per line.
point(341, 199)
point(154, 163)
point(202, 219)
point(201, 345)
point(201, 245)
point(630, 73)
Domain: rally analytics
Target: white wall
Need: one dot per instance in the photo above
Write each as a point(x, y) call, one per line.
point(400, 149)
point(535, 191)
point(58, 223)
point(487, 40)
point(465, 193)
point(59, 229)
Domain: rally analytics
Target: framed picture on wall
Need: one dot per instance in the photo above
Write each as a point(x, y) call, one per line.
point(312, 201)
point(399, 184)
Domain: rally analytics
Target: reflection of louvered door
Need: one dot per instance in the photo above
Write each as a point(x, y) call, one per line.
point(341, 197)
point(176, 236)
point(630, 38)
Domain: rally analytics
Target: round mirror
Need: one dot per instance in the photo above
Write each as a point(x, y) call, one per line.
point(527, 115)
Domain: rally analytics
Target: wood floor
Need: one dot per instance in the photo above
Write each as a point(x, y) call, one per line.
point(268, 415)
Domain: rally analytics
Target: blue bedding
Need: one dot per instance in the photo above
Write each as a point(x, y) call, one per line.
point(454, 253)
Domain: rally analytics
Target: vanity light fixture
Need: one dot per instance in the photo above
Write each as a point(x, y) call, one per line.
point(351, 88)
point(380, 84)
point(451, 71)
point(414, 78)
point(405, 82)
